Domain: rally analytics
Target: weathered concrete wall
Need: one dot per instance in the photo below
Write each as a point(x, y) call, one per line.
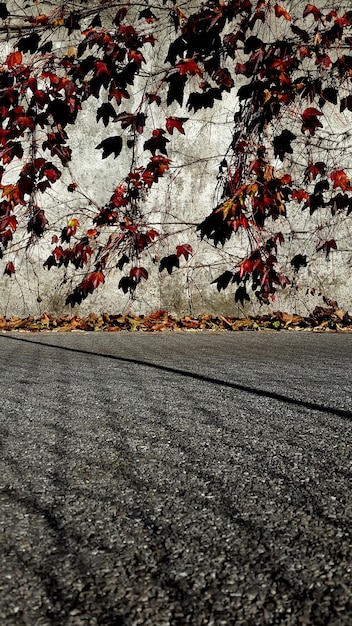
point(176, 205)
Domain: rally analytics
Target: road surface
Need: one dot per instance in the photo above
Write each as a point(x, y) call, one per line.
point(175, 478)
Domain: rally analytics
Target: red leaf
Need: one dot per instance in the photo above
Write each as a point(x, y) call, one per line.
point(326, 246)
point(242, 221)
point(137, 57)
point(286, 179)
point(153, 97)
point(8, 221)
point(299, 195)
point(189, 66)
point(313, 170)
point(118, 94)
point(341, 180)
point(184, 250)
point(51, 172)
point(246, 266)
point(152, 234)
point(102, 69)
point(310, 120)
point(138, 272)
point(9, 269)
point(58, 253)
point(311, 112)
point(175, 122)
point(93, 280)
point(311, 9)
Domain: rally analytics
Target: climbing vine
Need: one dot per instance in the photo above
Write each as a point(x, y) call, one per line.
point(284, 68)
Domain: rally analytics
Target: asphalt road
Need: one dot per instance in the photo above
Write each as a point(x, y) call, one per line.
point(173, 479)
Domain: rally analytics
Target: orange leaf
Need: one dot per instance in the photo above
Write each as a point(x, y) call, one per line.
point(281, 12)
point(341, 180)
point(15, 58)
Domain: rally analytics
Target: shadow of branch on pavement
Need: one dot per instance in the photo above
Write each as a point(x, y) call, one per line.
point(312, 406)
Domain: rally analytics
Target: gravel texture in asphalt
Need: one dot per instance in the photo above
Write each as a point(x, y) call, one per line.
point(175, 479)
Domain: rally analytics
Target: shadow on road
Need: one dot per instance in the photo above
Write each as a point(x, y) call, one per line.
point(312, 406)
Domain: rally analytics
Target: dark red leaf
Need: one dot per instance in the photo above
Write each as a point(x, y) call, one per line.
point(137, 273)
point(326, 246)
point(9, 268)
point(184, 250)
point(37, 222)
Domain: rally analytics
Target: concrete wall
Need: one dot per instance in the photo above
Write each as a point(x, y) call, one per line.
point(176, 205)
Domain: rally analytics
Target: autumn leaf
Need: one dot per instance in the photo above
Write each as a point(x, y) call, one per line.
point(313, 170)
point(40, 20)
point(310, 120)
point(9, 268)
point(326, 246)
point(135, 121)
point(93, 280)
point(15, 58)
point(137, 273)
point(177, 123)
point(8, 221)
point(340, 179)
point(224, 79)
point(118, 94)
point(189, 66)
point(281, 12)
point(153, 97)
point(311, 9)
point(184, 250)
point(51, 172)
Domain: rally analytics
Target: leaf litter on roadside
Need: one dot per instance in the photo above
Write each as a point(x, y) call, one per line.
point(330, 318)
